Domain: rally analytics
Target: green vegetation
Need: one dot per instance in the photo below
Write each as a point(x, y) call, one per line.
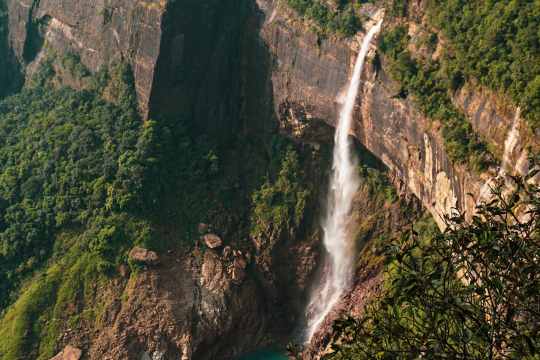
point(83, 180)
point(31, 327)
point(472, 292)
point(397, 8)
point(278, 206)
point(22, 323)
point(495, 42)
point(67, 160)
point(72, 63)
point(378, 184)
point(343, 20)
point(77, 190)
point(429, 87)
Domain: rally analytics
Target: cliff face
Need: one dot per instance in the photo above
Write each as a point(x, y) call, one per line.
point(10, 76)
point(247, 66)
point(184, 54)
point(204, 305)
point(100, 32)
point(198, 67)
point(310, 73)
point(227, 70)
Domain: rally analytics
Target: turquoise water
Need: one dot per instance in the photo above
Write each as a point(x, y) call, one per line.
point(265, 355)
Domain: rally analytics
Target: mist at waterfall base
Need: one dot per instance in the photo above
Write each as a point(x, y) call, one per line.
point(344, 182)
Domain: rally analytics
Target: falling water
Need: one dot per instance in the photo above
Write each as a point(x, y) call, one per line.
point(343, 185)
point(509, 145)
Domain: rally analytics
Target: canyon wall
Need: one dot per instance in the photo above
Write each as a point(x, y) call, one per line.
point(239, 67)
point(251, 67)
point(309, 76)
point(184, 54)
point(99, 32)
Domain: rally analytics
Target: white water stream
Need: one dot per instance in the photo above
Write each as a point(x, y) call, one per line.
point(343, 185)
point(512, 139)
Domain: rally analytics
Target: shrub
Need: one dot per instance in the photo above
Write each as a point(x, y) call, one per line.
point(278, 206)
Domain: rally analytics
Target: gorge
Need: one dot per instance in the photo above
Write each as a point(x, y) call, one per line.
point(203, 179)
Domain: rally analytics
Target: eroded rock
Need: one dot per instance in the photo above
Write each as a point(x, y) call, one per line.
point(238, 270)
point(213, 275)
point(238, 275)
point(240, 262)
point(227, 253)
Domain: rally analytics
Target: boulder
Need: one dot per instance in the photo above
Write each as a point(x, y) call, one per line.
point(69, 353)
point(240, 262)
point(212, 241)
point(144, 256)
point(123, 270)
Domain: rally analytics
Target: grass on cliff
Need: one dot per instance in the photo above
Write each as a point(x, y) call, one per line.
point(52, 301)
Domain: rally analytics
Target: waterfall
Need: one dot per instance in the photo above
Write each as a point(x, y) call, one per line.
point(344, 183)
point(510, 143)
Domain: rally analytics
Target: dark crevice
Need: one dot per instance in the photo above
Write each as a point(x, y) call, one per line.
point(34, 34)
point(10, 74)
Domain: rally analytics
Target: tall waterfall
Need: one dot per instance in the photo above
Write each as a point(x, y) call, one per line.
point(344, 183)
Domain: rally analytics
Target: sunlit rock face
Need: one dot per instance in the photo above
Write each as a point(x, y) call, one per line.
point(185, 54)
point(310, 74)
point(99, 32)
point(239, 67)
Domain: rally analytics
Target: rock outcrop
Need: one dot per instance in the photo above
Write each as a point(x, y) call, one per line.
point(242, 65)
point(144, 256)
point(212, 241)
point(197, 305)
point(69, 353)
